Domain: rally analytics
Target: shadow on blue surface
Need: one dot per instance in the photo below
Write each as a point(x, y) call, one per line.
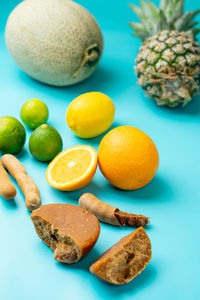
point(73, 197)
point(9, 204)
point(104, 79)
point(83, 264)
point(22, 153)
point(191, 109)
point(153, 191)
point(97, 140)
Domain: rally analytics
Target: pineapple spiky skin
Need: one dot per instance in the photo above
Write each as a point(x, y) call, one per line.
point(168, 62)
point(168, 67)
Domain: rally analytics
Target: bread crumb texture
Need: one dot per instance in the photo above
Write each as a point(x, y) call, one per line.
point(69, 230)
point(125, 260)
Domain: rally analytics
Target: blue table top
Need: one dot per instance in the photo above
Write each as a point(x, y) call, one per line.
point(172, 199)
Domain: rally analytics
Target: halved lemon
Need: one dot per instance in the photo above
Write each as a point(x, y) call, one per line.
point(73, 168)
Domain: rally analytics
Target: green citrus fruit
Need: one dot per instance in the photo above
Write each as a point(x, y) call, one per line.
point(34, 113)
point(45, 143)
point(12, 135)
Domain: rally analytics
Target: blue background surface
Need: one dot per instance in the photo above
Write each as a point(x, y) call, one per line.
point(172, 199)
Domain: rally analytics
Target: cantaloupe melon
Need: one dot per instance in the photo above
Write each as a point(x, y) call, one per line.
point(57, 42)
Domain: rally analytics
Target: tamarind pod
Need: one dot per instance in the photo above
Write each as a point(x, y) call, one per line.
point(25, 182)
point(131, 220)
point(110, 214)
point(30, 191)
point(103, 211)
point(7, 189)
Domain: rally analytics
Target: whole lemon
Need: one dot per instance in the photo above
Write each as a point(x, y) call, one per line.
point(128, 158)
point(90, 114)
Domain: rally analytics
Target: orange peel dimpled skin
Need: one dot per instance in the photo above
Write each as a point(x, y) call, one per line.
point(128, 158)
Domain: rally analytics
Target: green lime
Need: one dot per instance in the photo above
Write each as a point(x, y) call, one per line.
point(12, 135)
point(45, 143)
point(34, 113)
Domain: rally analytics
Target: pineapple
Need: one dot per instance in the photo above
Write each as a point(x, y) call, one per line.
point(168, 63)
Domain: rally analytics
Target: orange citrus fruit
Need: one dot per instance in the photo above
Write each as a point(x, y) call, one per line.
point(128, 157)
point(73, 168)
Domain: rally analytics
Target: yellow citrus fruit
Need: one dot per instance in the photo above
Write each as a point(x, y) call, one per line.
point(73, 168)
point(128, 158)
point(90, 114)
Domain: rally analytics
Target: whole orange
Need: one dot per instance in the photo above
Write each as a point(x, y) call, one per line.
point(128, 157)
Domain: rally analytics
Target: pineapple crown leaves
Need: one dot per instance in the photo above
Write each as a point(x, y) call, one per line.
point(168, 16)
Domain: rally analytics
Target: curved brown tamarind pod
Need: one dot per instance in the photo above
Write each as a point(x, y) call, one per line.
point(110, 214)
point(26, 183)
point(7, 189)
point(131, 220)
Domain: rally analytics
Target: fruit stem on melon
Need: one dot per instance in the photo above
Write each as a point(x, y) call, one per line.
point(91, 54)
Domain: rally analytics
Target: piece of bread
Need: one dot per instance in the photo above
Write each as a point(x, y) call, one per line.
point(69, 230)
point(125, 260)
